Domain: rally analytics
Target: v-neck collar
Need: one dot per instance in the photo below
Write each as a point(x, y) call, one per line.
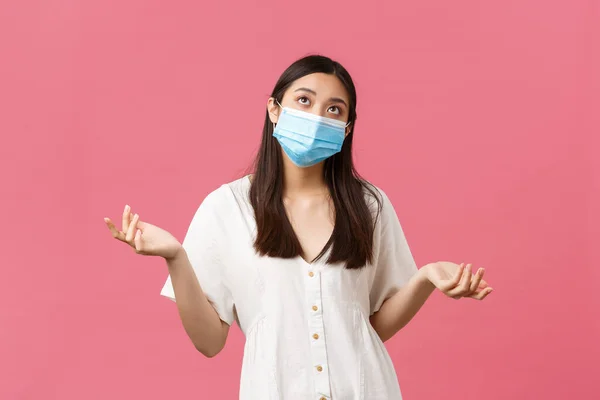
point(314, 263)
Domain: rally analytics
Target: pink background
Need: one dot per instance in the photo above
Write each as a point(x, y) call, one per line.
point(479, 119)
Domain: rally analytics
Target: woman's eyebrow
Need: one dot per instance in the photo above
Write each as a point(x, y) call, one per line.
point(333, 99)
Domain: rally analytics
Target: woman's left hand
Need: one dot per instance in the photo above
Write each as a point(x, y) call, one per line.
point(457, 280)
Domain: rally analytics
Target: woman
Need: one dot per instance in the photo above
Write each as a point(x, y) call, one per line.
point(308, 258)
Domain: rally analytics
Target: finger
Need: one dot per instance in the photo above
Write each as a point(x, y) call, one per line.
point(132, 229)
point(465, 280)
point(116, 233)
point(126, 218)
point(456, 279)
point(476, 280)
point(138, 240)
point(450, 284)
point(483, 294)
point(482, 285)
point(462, 289)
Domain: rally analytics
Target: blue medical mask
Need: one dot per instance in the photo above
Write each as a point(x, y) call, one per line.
point(308, 139)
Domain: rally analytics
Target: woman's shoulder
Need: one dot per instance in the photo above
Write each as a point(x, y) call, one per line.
point(220, 199)
point(378, 202)
point(228, 196)
point(375, 197)
point(239, 187)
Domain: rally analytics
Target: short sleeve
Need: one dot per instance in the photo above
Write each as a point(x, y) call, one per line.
point(204, 243)
point(393, 262)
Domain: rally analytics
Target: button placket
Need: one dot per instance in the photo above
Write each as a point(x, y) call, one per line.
point(316, 332)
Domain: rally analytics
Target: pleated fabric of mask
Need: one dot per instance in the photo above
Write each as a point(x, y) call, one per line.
point(308, 139)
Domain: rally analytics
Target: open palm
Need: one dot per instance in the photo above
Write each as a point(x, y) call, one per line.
point(145, 238)
point(457, 280)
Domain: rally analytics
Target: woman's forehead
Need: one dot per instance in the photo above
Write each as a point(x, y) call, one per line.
point(324, 85)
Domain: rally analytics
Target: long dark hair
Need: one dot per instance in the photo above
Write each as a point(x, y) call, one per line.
point(352, 238)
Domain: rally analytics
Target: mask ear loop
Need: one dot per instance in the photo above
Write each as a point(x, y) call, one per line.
point(279, 104)
point(345, 127)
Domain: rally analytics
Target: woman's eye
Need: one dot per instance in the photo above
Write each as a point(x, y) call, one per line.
point(338, 111)
point(303, 100)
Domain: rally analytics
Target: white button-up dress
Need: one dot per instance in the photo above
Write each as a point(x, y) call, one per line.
point(307, 326)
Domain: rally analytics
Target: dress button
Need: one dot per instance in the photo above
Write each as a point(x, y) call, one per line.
point(319, 368)
point(311, 274)
point(315, 336)
point(315, 308)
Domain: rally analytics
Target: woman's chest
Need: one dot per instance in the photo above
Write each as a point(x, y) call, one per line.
point(287, 289)
point(312, 221)
point(292, 289)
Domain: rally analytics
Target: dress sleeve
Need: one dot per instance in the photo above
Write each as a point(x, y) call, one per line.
point(393, 262)
point(204, 243)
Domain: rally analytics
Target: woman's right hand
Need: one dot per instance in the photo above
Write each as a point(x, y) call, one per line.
point(145, 238)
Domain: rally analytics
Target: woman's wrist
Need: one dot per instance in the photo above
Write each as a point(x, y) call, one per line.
point(424, 275)
point(176, 255)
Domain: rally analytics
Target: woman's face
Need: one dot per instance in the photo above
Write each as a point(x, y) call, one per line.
point(320, 94)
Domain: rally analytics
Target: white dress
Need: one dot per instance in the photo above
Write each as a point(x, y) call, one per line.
point(307, 326)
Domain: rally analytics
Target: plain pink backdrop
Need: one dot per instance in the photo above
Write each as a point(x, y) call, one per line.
point(479, 119)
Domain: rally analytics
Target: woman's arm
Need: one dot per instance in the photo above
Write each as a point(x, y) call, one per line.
point(452, 279)
point(398, 310)
point(200, 320)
